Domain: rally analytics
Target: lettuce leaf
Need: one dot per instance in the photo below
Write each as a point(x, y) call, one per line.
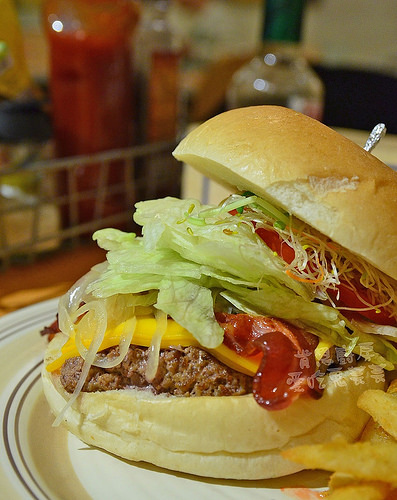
point(191, 305)
point(324, 321)
point(224, 243)
point(190, 259)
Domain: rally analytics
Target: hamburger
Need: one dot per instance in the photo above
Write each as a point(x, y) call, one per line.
point(225, 334)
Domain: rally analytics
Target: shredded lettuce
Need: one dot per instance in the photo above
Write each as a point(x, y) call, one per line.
point(189, 254)
point(191, 305)
point(167, 223)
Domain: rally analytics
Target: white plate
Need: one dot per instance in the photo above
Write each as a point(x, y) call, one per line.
point(38, 461)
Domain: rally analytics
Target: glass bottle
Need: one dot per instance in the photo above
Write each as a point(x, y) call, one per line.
point(279, 74)
point(90, 73)
point(158, 52)
point(91, 92)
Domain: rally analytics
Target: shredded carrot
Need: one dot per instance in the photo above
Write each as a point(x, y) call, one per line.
point(303, 280)
point(324, 264)
point(319, 279)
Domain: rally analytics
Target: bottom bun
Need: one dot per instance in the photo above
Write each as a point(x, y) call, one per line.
point(229, 437)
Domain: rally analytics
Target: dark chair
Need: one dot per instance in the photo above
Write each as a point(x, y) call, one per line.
point(359, 99)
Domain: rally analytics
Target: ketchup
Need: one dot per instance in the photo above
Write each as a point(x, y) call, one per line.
point(91, 86)
point(287, 367)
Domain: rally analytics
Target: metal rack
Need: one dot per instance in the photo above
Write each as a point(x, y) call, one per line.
point(50, 219)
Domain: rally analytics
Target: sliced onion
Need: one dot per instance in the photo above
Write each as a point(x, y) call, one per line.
point(125, 342)
point(93, 319)
point(71, 300)
point(154, 349)
point(96, 312)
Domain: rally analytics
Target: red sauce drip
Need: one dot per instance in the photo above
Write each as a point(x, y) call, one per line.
point(287, 368)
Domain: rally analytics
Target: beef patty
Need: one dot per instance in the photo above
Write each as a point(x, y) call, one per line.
point(182, 371)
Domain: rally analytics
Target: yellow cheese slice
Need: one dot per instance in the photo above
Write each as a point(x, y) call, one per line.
point(175, 335)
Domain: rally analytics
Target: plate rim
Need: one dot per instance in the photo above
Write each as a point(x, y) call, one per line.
point(15, 326)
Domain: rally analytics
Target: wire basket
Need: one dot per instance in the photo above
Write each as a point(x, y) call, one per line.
point(55, 215)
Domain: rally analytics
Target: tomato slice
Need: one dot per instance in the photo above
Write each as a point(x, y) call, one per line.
point(358, 298)
point(344, 295)
point(276, 244)
point(288, 367)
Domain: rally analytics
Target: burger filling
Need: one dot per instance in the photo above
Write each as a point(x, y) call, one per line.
point(182, 371)
point(284, 356)
point(223, 300)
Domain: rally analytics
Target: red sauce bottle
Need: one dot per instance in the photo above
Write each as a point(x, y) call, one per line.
point(91, 86)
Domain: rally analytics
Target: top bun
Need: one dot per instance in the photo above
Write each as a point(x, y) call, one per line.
point(308, 169)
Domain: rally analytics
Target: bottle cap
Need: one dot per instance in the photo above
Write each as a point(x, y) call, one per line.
point(283, 20)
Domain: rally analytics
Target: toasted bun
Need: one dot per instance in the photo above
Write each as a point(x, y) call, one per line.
point(312, 171)
point(222, 437)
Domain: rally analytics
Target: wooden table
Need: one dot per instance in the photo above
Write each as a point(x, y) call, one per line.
point(25, 284)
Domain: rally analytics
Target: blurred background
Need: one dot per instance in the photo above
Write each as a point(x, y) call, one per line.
point(351, 43)
point(94, 95)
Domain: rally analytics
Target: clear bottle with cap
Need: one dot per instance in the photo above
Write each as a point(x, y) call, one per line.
point(157, 60)
point(279, 74)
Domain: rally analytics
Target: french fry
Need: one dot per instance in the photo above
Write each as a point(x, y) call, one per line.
point(393, 386)
point(367, 490)
point(340, 479)
point(363, 460)
point(345, 486)
point(365, 470)
point(375, 433)
point(382, 406)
